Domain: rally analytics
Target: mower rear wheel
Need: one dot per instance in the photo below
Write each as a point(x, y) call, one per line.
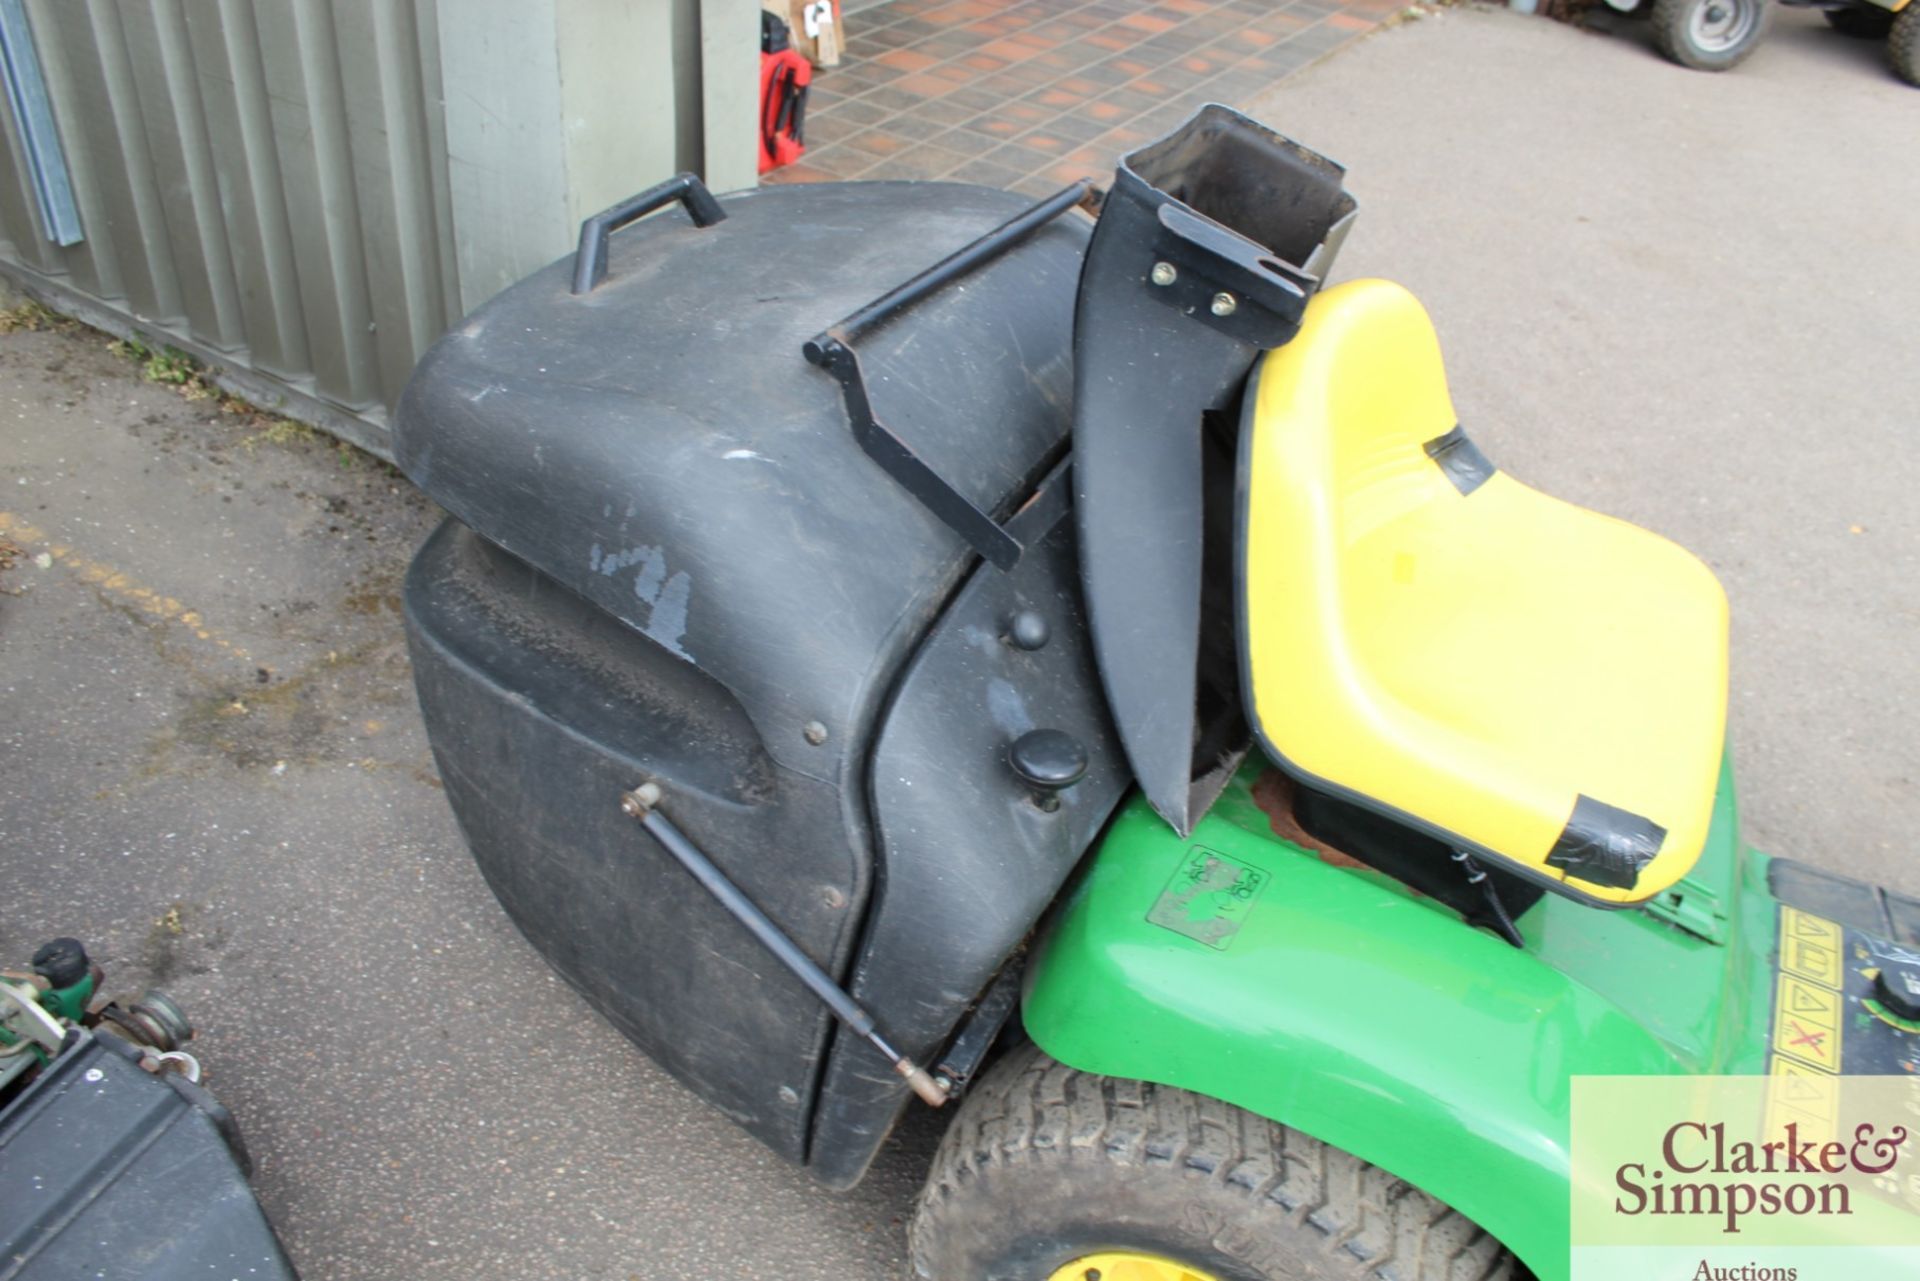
point(1863, 21)
point(1710, 35)
point(1050, 1173)
point(1903, 45)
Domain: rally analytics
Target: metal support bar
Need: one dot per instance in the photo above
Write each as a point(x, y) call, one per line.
point(643, 803)
point(899, 461)
point(951, 268)
point(981, 1027)
point(39, 139)
point(832, 350)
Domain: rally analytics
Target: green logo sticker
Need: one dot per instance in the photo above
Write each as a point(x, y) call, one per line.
point(1209, 897)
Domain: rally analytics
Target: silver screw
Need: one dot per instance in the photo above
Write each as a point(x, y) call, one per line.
point(833, 897)
point(94, 1074)
point(1163, 273)
point(814, 732)
point(1225, 304)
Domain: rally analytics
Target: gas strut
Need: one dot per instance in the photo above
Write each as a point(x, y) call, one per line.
point(643, 803)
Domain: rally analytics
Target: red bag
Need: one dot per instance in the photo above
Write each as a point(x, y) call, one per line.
point(784, 77)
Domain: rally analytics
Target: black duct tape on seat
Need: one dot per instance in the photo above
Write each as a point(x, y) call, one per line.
point(1461, 460)
point(1603, 844)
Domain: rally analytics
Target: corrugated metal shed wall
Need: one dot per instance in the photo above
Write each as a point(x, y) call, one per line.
point(266, 183)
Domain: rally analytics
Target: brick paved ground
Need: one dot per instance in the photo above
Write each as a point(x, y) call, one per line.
point(1031, 94)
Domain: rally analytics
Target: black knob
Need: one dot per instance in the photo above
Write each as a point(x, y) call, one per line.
point(61, 962)
point(1048, 761)
point(1028, 630)
point(1898, 988)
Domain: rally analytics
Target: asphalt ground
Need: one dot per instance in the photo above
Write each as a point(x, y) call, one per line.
point(1688, 300)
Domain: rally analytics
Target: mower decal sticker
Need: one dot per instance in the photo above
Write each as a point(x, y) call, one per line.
point(1810, 946)
point(1808, 1095)
point(1208, 897)
point(1808, 1004)
point(1806, 1024)
point(1827, 1016)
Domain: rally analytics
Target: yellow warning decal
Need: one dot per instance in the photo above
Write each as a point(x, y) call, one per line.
point(1806, 1098)
point(1805, 1089)
point(1806, 1024)
point(1808, 1003)
point(1810, 947)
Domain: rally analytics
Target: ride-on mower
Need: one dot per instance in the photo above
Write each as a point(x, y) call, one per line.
point(1095, 685)
point(1715, 35)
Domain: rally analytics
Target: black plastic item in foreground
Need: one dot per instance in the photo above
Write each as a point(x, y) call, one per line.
point(832, 350)
point(590, 259)
point(114, 1171)
point(1208, 246)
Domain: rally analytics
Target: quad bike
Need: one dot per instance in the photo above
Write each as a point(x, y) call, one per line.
point(1102, 691)
point(117, 1162)
point(1895, 21)
point(1714, 35)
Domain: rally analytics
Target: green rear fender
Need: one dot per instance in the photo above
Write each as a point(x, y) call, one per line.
point(1333, 1001)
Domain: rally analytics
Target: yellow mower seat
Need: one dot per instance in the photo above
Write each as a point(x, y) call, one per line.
point(1533, 682)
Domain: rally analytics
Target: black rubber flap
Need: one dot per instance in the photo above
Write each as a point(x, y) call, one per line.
point(1207, 249)
point(1603, 844)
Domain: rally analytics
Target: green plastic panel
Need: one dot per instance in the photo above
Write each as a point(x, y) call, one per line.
point(1334, 1000)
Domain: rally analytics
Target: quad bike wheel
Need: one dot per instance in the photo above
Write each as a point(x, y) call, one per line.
point(1903, 44)
point(1049, 1174)
point(1709, 35)
point(1864, 22)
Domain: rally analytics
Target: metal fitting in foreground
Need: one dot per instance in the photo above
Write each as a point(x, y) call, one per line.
point(643, 803)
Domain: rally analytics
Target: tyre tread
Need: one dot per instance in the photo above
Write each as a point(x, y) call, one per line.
point(1371, 1226)
point(1669, 36)
point(1903, 44)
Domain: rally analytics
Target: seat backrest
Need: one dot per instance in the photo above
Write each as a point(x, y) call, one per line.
point(1367, 360)
point(1517, 677)
point(1360, 393)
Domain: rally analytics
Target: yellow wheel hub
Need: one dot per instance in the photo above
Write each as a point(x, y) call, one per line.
point(1126, 1265)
